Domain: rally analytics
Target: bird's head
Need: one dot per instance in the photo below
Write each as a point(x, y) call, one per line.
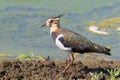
point(52, 22)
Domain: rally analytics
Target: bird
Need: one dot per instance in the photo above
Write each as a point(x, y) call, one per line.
point(71, 41)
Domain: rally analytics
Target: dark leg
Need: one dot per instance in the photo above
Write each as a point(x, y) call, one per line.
point(70, 60)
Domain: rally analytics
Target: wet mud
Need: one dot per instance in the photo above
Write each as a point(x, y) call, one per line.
point(47, 70)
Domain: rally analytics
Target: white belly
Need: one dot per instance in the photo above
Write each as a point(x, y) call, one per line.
point(60, 45)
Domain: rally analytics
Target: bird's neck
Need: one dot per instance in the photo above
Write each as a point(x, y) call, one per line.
point(54, 28)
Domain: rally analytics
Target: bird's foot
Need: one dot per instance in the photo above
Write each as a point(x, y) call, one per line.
point(69, 61)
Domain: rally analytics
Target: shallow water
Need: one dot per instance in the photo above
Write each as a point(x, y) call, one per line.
point(20, 22)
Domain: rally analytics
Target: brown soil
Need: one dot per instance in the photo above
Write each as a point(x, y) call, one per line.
point(47, 70)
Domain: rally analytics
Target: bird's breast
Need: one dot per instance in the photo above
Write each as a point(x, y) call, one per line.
point(61, 43)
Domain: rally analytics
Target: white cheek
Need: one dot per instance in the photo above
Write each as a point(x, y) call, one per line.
point(47, 23)
point(60, 45)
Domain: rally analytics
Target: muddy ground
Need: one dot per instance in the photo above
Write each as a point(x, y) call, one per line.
point(47, 70)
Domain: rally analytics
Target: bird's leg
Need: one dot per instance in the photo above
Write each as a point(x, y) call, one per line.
point(69, 62)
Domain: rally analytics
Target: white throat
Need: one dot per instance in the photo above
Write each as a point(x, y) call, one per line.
point(51, 30)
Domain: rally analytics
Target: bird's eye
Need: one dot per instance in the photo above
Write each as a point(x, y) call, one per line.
point(51, 21)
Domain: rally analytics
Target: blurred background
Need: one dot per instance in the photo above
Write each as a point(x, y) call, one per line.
point(21, 20)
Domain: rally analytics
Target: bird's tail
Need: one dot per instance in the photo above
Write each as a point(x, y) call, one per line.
point(101, 49)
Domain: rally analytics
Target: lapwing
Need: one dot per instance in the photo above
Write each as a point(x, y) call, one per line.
point(72, 42)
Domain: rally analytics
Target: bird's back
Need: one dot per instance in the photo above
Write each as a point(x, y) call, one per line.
point(79, 43)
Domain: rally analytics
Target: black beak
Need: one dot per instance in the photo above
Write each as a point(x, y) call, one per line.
point(43, 25)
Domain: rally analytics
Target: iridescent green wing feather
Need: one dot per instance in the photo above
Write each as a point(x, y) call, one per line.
point(77, 41)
